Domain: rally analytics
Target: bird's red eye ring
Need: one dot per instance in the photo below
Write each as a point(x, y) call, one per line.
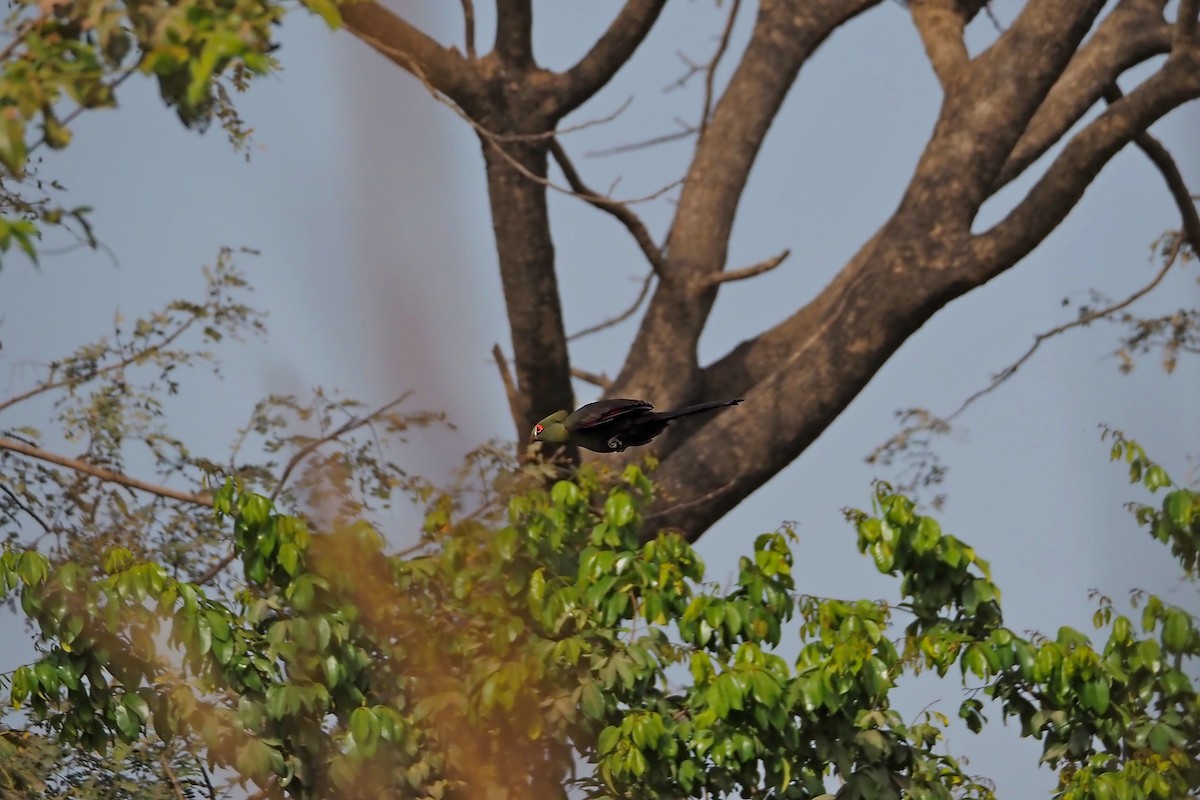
point(538, 428)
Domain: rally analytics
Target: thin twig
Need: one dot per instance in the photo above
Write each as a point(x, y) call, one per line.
point(621, 212)
point(624, 315)
point(212, 793)
point(496, 140)
point(19, 35)
point(710, 72)
point(350, 425)
point(50, 386)
point(107, 475)
point(1176, 185)
point(469, 24)
point(216, 568)
point(173, 778)
point(1011, 370)
point(71, 117)
point(594, 378)
point(515, 405)
point(747, 272)
point(690, 130)
point(23, 507)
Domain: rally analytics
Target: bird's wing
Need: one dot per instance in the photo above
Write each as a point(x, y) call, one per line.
point(602, 412)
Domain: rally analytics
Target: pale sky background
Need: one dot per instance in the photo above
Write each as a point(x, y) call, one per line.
point(368, 203)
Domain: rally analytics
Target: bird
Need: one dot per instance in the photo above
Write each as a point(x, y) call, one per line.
point(610, 426)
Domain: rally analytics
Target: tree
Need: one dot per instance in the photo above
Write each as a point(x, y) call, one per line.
point(1003, 108)
point(560, 608)
point(536, 631)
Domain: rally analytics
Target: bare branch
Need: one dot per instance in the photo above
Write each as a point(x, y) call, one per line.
point(173, 778)
point(1185, 22)
point(1086, 319)
point(747, 272)
point(785, 35)
point(1075, 167)
point(619, 211)
point(624, 315)
point(687, 131)
point(497, 140)
point(516, 404)
point(514, 31)
point(216, 568)
point(106, 475)
point(594, 378)
point(468, 7)
point(350, 425)
point(441, 67)
point(1162, 160)
point(710, 71)
point(940, 24)
point(1133, 32)
point(24, 507)
point(609, 53)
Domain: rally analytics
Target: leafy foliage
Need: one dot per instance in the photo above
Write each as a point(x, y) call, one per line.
point(517, 642)
point(533, 632)
point(61, 59)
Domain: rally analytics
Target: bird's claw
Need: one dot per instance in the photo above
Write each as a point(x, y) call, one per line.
point(615, 444)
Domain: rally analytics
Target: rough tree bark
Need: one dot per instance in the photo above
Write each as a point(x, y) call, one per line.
point(1002, 110)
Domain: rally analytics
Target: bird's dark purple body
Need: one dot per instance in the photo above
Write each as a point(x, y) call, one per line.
point(610, 426)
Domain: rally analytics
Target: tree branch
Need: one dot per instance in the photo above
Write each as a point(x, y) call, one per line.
point(618, 319)
point(621, 212)
point(24, 507)
point(468, 7)
point(514, 32)
point(710, 71)
point(516, 405)
point(393, 37)
point(350, 425)
point(748, 272)
point(106, 475)
point(662, 360)
point(1176, 185)
point(608, 55)
point(1081, 160)
point(1185, 23)
point(594, 378)
point(1134, 32)
point(940, 24)
point(1086, 319)
point(132, 358)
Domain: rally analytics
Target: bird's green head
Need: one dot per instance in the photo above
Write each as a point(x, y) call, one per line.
point(550, 430)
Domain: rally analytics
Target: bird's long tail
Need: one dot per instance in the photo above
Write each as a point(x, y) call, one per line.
point(699, 408)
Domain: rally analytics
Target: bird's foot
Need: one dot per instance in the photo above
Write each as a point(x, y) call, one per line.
point(615, 444)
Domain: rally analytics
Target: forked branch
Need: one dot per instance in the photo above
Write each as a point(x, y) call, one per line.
point(619, 211)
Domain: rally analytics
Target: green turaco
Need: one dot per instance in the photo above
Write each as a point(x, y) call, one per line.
point(609, 426)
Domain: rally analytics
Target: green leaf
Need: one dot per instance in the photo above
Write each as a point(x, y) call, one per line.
point(1178, 506)
point(1177, 630)
point(327, 10)
point(1095, 696)
point(592, 701)
point(129, 727)
point(364, 727)
point(618, 509)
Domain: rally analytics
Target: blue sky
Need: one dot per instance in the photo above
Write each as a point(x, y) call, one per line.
point(367, 201)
